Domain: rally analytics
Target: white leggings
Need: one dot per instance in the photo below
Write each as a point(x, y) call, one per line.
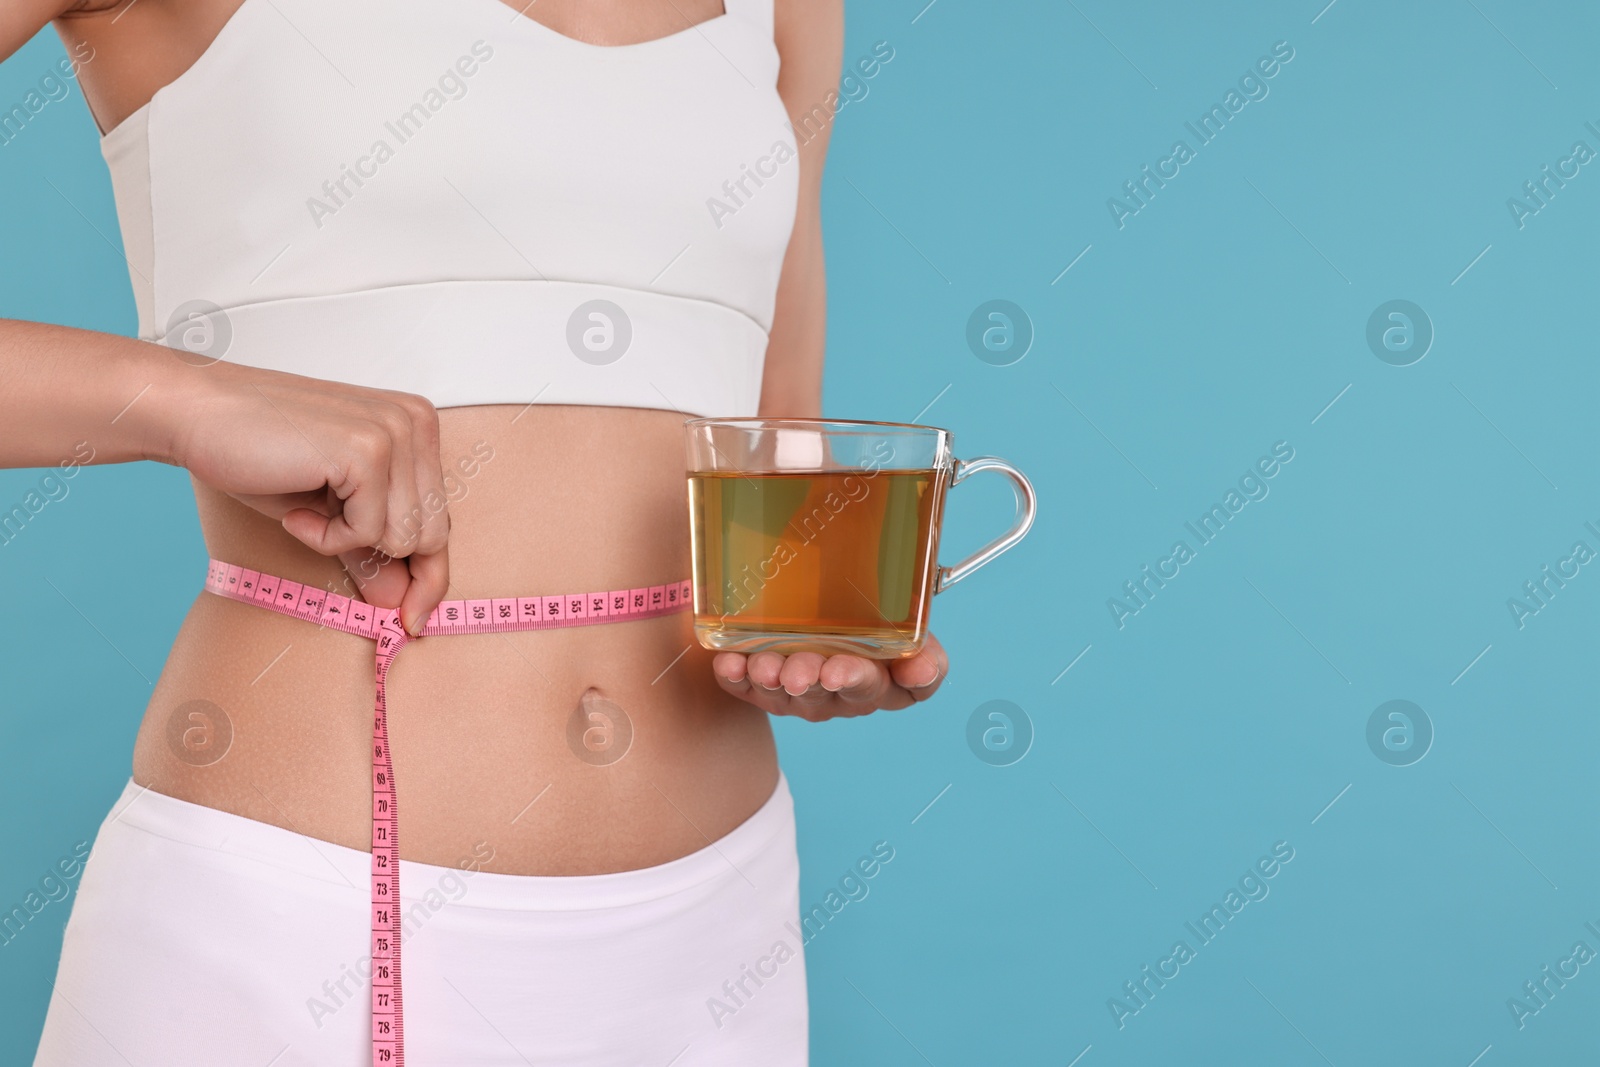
point(199, 937)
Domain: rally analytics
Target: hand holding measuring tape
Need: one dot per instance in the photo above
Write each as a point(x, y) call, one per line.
point(345, 469)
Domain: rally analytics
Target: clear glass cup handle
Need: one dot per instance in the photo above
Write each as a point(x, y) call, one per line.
point(1027, 505)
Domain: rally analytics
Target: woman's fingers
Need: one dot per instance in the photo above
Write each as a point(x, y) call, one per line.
point(430, 578)
point(415, 585)
point(327, 535)
point(277, 505)
point(403, 508)
point(363, 488)
point(852, 677)
point(380, 579)
point(429, 473)
point(798, 675)
point(763, 669)
point(815, 687)
point(270, 439)
point(730, 668)
point(418, 523)
point(371, 486)
point(921, 675)
point(754, 679)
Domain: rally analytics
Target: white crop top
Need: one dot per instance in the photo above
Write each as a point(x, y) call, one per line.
point(447, 198)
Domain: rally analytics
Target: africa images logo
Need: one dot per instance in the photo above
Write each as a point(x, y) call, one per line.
point(1252, 86)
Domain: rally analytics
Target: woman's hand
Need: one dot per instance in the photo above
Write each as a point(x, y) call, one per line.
point(817, 688)
point(351, 472)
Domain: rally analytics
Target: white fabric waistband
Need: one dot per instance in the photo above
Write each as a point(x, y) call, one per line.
point(462, 343)
point(234, 839)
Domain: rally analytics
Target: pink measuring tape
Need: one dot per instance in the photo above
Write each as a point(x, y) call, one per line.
point(311, 604)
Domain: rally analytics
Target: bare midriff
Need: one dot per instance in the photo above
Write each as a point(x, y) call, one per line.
point(544, 499)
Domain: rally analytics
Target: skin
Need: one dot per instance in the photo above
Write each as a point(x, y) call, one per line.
point(306, 479)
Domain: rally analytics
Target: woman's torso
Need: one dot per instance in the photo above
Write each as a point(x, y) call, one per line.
point(545, 498)
point(568, 499)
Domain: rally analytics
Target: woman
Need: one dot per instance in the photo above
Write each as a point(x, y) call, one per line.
point(467, 268)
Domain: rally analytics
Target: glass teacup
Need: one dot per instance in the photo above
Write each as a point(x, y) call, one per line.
point(823, 535)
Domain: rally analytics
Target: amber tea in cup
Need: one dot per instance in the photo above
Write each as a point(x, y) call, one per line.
point(814, 535)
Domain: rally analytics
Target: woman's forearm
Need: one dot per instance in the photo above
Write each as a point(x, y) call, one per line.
point(343, 467)
point(61, 388)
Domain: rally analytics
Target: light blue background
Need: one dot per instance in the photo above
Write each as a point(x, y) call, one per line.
point(1231, 710)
